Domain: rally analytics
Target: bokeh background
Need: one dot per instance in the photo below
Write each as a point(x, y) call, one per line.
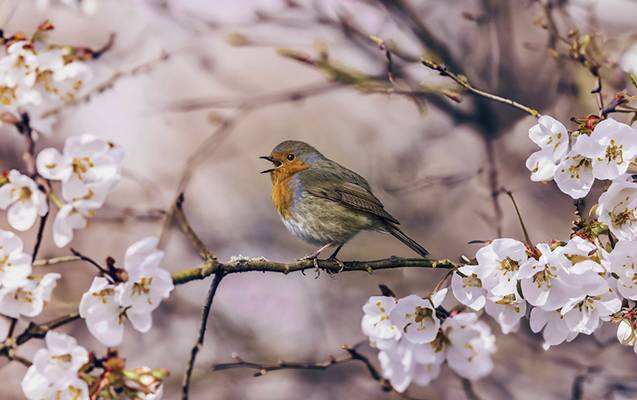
point(213, 90)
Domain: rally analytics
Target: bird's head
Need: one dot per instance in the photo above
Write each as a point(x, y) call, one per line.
point(290, 157)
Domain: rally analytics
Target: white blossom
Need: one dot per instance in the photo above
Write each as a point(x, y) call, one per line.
point(617, 208)
point(471, 345)
point(507, 311)
point(582, 314)
point(147, 284)
point(542, 165)
point(552, 135)
point(15, 264)
point(574, 174)
point(623, 263)
point(85, 158)
point(106, 305)
point(29, 298)
point(555, 329)
point(376, 323)
point(552, 280)
point(416, 317)
point(612, 146)
point(23, 199)
point(104, 316)
point(498, 265)
point(54, 373)
point(468, 289)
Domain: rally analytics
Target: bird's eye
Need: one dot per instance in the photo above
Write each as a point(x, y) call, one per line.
point(290, 157)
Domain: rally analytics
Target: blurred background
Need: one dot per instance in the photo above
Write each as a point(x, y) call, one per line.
point(195, 91)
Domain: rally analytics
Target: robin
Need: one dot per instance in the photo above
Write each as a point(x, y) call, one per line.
point(324, 203)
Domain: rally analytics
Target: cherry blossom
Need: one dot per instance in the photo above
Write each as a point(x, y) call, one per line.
point(582, 314)
point(498, 265)
point(15, 265)
point(416, 317)
point(54, 373)
point(104, 316)
point(29, 298)
point(147, 284)
point(507, 311)
point(106, 305)
point(553, 139)
point(376, 323)
point(23, 199)
point(550, 134)
point(85, 158)
point(467, 288)
point(623, 263)
point(612, 146)
point(574, 174)
point(552, 280)
point(555, 330)
point(471, 345)
point(617, 208)
point(30, 72)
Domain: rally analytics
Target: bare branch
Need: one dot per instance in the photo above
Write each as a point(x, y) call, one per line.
point(202, 334)
point(263, 265)
point(187, 230)
point(462, 81)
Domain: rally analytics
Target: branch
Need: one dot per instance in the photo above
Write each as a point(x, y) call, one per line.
point(468, 389)
point(352, 355)
point(107, 84)
point(55, 261)
point(257, 101)
point(202, 333)
point(187, 230)
point(462, 81)
point(262, 265)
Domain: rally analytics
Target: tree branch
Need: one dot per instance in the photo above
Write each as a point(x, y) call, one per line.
point(239, 265)
point(462, 81)
point(202, 334)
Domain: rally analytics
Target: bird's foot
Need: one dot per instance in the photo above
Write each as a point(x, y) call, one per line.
point(338, 262)
point(314, 258)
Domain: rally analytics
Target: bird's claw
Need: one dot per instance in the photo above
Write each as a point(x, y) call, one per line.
point(314, 259)
point(339, 263)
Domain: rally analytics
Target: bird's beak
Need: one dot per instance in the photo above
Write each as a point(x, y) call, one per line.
point(273, 161)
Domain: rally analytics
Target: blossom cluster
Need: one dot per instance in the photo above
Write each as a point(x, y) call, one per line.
point(565, 288)
point(88, 169)
point(54, 373)
point(21, 293)
point(133, 294)
point(575, 160)
point(63, 370)
point(414, 339)
point(33, 71)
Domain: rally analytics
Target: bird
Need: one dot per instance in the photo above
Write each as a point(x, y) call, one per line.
point(324, 203)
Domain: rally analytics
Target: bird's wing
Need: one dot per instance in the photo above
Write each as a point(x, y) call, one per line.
point(346, 187)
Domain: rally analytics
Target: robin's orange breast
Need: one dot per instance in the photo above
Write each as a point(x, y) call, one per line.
point(282, 195)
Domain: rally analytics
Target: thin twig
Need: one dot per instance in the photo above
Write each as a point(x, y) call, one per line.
point(90, 261)
point(527, 238)
point(187, 230)
point(39, 236)
point(469, 390)
point(55, 261)
point(107, 84)
point(462, 81)
point(202, 334)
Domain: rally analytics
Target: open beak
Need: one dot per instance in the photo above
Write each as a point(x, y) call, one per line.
point(273, 161)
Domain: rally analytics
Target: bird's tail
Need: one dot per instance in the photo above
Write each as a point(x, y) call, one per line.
point(412, 244)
